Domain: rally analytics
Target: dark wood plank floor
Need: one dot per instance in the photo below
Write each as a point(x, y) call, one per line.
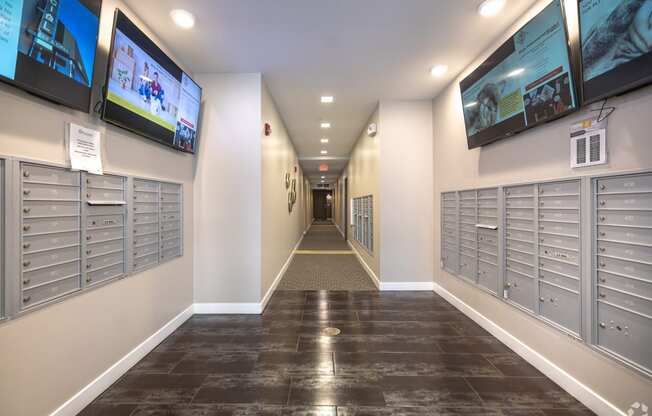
point(399, 353)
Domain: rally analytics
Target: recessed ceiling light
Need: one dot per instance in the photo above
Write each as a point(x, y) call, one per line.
point(183, 18)
point(490, 8)
point(324, 152)
point(323, 177)
point(324, 140)
point(438, 70)
point(327, 99)
point(516, 72)
point(325, 125)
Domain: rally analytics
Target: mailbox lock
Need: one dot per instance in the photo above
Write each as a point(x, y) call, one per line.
point(26, 246)
point(508, 285)
point(88, 238)
point(27, 192)
point(88, 266)
point(88, 252)
point(602, 295)
point(26, 282)
point(26, 210)
point(603, 249)
point(618, 327)
point(603, 280)
point(603, 187)
point(603, 218)
point(26, 173)
point(26, 227)
point(602, 234)
point(603, 203)
point(542, 300)
point(88, 280)
point(603, 265)
point(27, 299)
point(26, 263)
point(602, 325)
point(88, 181)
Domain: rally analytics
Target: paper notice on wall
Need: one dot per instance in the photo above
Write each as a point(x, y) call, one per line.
point(85, 149)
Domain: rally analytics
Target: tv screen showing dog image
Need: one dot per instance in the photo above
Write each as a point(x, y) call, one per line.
point(147, 93)
point(527, 81)
point(616, 38)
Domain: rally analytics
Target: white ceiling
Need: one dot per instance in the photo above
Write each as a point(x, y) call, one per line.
point(360, 51)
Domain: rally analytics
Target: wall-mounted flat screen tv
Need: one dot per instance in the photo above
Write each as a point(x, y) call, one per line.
point(616, 40)
point(47, 47)
point(147, 93)
point(526, 82)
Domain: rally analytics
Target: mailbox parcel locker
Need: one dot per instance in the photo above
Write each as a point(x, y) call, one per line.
point(470, 236)
point(450, 238)
point(50, 234)
point(623, 267)
point(105, 220)
point(170, 221)
point(145, 227)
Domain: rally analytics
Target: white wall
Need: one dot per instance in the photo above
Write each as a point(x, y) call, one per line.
point(281, 230)
point(541, 153)
point(228, 190)
point(363, 172)
point(406, 183)
point(47, 356)
point(395, 167)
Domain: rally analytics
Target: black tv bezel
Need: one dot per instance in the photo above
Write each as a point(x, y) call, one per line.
point(614, 92)
point(95, 6)
point(573, 62)
point(105, 90)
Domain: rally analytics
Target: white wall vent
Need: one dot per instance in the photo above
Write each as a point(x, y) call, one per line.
point(589, 149)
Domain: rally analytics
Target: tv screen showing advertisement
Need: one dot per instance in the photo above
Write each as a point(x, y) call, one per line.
point(526, 82)
point(47, 47)
point(147, 93)
point(616, 40)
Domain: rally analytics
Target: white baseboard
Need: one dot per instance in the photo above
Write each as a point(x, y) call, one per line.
point(227, 308)
point(281, 273)
point(365, 266)
point(574, 387)
point(251, 308)
point(96, 387)
point(339, 229)
point(406, 286)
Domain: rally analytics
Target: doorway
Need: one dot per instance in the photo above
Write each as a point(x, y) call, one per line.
point(322, 204)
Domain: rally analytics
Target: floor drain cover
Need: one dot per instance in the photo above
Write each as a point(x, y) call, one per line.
point(330, 332)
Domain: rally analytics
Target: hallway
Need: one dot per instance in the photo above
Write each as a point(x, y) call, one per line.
point(399, 353)
point(324, 261)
